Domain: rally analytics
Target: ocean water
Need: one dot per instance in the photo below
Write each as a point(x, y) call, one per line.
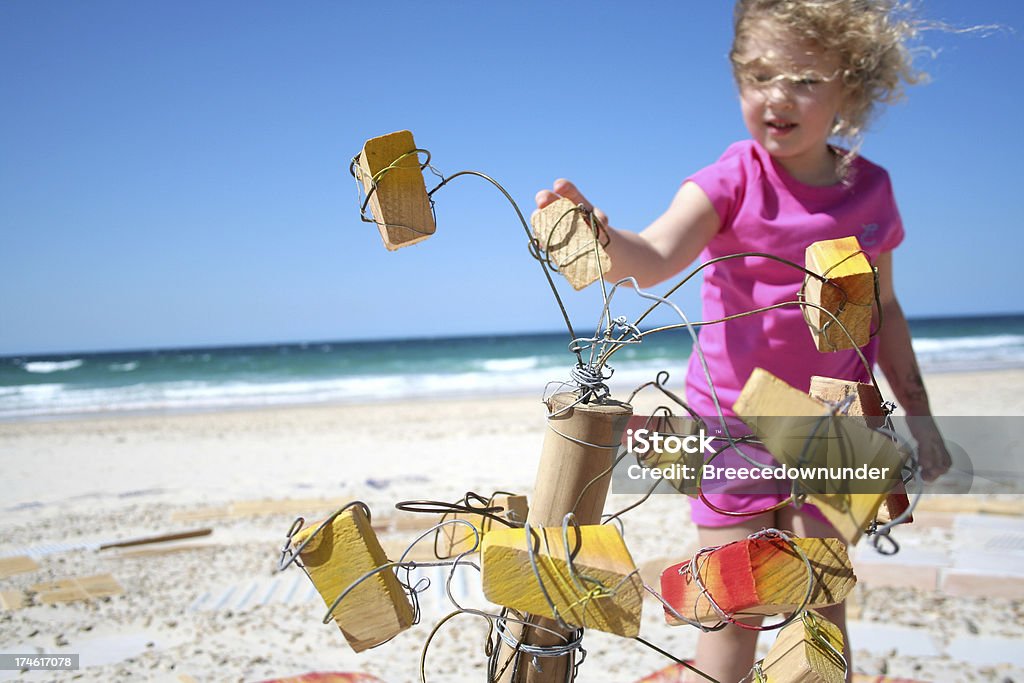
point(212, 378)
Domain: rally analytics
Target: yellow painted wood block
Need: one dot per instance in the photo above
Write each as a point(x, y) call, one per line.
point(570, 243)
point(602, 561)
point(806, 651)
point(346, 549)
point(400, 204)
point(784, 418)
point(455, 539)
point(759, 576)
point(849, 296)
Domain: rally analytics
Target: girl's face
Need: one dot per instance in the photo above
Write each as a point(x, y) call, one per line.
point(790, 94)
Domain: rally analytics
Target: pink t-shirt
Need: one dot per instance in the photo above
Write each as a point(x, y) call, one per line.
point(762, 208)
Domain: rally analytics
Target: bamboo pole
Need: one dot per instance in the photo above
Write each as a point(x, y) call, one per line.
point(579, 446)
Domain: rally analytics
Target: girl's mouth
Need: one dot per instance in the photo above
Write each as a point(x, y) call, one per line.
point(777, 128)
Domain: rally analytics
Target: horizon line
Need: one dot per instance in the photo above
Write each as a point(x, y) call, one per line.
point(371, 340)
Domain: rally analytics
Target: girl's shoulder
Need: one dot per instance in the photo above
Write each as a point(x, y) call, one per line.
point(735, 166)
point(863, 170)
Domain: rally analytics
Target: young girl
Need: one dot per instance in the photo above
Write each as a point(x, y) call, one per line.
point(807, 71)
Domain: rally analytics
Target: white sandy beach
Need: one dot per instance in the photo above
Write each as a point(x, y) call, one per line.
point(212, 608)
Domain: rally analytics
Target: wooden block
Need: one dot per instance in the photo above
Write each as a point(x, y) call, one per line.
point(971, 584)
point(455, 539)
point(76, 588)
point(283, 506)
point(138, 553)
point(866, 404)
point(400, 204)
point(759, 576)
point(890, 575)
point(346, 549)
point(509, 580)
point(570, 243)
point(849, 296)
point(785, 418)
point(893, 505)
point(203, 514)
point(19, 564)
point(808, 650)
point(12, 599)
point(973, 504)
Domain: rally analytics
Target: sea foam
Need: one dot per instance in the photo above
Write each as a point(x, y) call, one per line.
point(48, 366)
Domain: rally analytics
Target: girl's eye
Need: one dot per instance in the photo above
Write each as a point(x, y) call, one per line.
point(808, 81)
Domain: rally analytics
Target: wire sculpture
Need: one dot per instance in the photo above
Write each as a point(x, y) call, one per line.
point(588, 381)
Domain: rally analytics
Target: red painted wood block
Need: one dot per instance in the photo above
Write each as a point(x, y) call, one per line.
point(327, 677)
point(758, 577)
point(673, 673)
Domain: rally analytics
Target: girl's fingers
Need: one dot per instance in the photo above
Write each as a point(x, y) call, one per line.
point(545, 197)
point(566, 189)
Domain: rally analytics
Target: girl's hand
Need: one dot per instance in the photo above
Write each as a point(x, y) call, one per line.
point(664, 247)
point(564, 188)
point(932, 455)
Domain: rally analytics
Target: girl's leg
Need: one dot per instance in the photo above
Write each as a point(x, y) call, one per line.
point(728, 655)
point(806, 525)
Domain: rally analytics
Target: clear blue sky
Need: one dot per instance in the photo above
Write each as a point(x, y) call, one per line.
point(176, 173)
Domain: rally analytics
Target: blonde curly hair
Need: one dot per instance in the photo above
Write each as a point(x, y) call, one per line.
point(869, 37)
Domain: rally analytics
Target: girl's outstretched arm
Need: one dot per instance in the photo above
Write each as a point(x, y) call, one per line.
point(898, 362)
point(662, 249)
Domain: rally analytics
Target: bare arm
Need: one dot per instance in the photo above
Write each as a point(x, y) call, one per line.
point(662, 249)
point(898, 362)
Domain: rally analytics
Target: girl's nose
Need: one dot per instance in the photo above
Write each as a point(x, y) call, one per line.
point(778, 94)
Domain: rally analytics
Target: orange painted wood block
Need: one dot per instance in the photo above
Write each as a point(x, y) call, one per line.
point(609, 593)
point(785, 419)
point(759, 576)
point(808, 650)
point(399, 204)
point(346, 549)
point(570, 243)
point(848, 295)
point(455, 539)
